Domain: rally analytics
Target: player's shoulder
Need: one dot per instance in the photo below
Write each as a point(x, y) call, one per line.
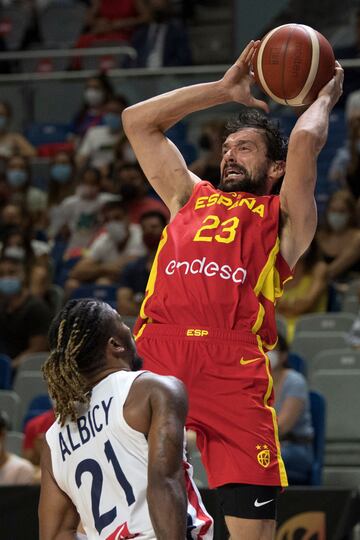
point(162, 386)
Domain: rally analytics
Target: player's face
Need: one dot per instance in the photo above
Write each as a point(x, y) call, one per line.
point(244, 165)
point(125, 336)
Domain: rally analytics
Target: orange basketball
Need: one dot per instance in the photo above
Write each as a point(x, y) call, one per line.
point(292, 63)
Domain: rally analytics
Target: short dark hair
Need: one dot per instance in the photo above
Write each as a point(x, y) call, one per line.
point(276, 143)
point(154, 214)
point(282, 344)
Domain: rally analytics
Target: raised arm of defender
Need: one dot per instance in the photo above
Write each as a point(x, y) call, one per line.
point(145, 124)
point(297, 192)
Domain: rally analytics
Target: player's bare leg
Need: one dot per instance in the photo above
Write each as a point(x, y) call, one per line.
point(250, 529)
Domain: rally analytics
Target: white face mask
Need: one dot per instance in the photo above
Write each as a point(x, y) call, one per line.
point(117, 231)
point(274, 359)
point(94, 97)
point(337, 220)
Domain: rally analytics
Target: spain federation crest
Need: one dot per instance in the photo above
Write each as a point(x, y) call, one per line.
point(263, 455)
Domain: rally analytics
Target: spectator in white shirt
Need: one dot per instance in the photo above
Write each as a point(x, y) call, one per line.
point(98, 146)
point(118, 243)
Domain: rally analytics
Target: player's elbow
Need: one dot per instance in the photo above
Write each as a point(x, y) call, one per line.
point(307, 141)
point(131, 119)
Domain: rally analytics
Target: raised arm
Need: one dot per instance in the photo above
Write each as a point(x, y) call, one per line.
point(145, 125)
point(298, 208)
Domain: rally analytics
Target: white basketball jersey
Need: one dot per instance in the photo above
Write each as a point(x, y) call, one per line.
point(101, 463)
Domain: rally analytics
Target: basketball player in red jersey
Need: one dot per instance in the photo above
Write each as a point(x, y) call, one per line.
point(208, 314)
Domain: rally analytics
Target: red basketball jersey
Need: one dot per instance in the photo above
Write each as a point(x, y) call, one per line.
point(218, 265)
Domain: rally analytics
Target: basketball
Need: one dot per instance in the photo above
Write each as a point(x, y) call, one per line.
point(292, 63)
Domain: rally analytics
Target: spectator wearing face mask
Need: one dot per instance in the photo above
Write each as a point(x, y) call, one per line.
point(62, 179)
point(133, 187)
point(18, 179)
point(98, 146)
point(210, 142)
point(24, 319)
point(339, 238)
point(77, 217)
point(292, 407)
point(306, 292)
point(135, 274)
point(14, 470)
point(97, 93)
point(12, 143)
point(118, 243)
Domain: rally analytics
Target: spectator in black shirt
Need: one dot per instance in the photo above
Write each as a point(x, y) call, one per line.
point(135, 274)
point(24, 319)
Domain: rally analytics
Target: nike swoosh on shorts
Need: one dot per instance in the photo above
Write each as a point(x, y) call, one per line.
point(258, 504)
point(244, 362)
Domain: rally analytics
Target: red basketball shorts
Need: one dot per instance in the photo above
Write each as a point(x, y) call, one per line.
point(228, 379)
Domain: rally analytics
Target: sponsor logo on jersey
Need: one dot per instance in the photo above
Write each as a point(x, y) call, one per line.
point(207, 268)
point(121, 533)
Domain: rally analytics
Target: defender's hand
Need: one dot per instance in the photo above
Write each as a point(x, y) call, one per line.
point(238, 80)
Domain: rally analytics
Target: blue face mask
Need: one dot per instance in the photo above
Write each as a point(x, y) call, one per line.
point(16, 177)
point(3, 122)
point(10, 285)
point(61, 172)
point(112, 121)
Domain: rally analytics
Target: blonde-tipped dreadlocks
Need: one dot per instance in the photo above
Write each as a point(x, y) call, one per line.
point(78, 337)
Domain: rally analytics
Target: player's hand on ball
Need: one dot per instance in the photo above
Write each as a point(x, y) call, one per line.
point(238, 80)
point(333, 88)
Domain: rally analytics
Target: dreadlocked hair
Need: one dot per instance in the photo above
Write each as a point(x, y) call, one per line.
point(276, 143)
point(78, 336)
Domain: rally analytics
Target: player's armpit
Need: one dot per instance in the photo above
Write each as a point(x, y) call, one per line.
point(166, 482)
point(58, 518)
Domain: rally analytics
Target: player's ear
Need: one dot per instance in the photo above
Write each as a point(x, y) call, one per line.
point(277, 169)
point(116, 346)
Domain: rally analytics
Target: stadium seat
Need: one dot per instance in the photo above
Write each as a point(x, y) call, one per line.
point(47, 133)
point(298, 363)
point(107, 293)
point(10, 403)
point(28, 384)
point(14, 22)
point(340, 387)
point(350, 302)
point(346, 477)
point(342, 359)
point(318, 416)
point(61, 23)
point(325, 322)
point(14, 442)
point(108, 61)
point(38, 405)
point(32, 362)
point(308, 344)
point(5, 372)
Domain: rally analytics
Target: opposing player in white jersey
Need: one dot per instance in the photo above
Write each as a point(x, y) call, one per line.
point(114, 456)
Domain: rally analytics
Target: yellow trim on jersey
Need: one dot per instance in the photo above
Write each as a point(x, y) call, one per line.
point(150, 286)
point(282, 470)
point(259, 319)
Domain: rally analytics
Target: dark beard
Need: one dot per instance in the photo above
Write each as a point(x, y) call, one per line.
point(248, 184)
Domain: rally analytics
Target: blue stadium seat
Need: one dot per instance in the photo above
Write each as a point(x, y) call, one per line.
point(298, 363)
point(47, 133)
point(107, 293)
point(38, 405)
point(5, 372)
point(318, 414)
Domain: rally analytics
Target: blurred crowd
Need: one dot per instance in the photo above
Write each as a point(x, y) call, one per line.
point(155, 29)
